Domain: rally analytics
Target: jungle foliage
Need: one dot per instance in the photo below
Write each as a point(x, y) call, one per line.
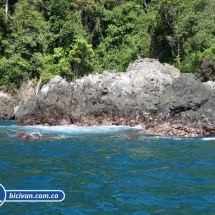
point(72, 38)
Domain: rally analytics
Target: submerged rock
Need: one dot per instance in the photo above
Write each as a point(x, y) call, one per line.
point(24, 135)
point(132, 138)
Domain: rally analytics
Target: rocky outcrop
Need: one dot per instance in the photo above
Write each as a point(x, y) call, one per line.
point(9, 104)
point(186, 108)
point(25, 92)
point(149, 93)
point(117, 94)
point(51, 106)
point(6, 106)
point(187, 99)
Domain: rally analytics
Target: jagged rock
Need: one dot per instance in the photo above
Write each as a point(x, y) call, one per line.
point(51, 105)
point(185, 93)
point(129, 93)
point(7, 104)
point(26, 91)
point(151, 94)
point(188, 100)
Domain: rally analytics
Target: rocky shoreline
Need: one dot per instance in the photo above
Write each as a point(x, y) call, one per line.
point(156, 96)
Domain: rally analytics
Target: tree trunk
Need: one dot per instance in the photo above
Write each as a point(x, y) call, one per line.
point(145, 6)
point(37, 88)
point(6, 10)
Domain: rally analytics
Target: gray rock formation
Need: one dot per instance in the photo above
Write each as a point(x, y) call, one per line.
point(134, 92)
point(210, 85)
point(188, 100)
point(6, 106)
point(10, 104)
point(152, 94)
point(185, 96)
point(186, 108)
point(25, 92)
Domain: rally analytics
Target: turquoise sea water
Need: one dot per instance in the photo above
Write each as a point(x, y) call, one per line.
point(103, 173)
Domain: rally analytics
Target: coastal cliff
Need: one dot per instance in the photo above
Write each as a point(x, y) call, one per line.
point(149, 93)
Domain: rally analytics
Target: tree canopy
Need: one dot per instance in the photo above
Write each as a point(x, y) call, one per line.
point(72, 38)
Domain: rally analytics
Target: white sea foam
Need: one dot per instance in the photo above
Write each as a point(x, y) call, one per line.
point(208, 138)
point(138, 127)
point(74, 127)
point(61, 132)
point(70, 129)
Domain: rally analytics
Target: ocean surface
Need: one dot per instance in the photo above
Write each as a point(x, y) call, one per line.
point(101, 172)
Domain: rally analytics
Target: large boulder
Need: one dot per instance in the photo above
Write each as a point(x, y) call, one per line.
point(185, 93)
point(50, 106)
point(6, 106)
point(10, 104)
point(131, 93)
point(188, 100)
point(25, 92)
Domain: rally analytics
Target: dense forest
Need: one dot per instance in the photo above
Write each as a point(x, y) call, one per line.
point(72, 38)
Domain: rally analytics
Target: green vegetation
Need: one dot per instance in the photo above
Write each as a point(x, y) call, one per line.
point(72, 38)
